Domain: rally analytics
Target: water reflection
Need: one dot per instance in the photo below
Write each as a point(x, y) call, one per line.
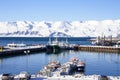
point(96, 63)
point(0, 61)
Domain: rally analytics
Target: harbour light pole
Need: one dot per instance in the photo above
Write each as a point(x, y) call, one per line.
point(27, 52)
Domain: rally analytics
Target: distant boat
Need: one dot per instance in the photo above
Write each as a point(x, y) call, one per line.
point(103, 41)
point(13, 45)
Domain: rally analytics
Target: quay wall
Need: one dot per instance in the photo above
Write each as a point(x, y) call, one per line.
point(22, 51)
point(109, 49)
point(33, 49)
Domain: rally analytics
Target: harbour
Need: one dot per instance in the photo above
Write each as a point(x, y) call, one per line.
point(59, 40)
point(35, 61)
point(99, 44)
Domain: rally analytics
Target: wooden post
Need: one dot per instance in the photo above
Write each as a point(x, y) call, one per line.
point(0, 49)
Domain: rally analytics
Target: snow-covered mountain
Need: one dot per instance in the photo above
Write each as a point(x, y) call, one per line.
point(60, 28)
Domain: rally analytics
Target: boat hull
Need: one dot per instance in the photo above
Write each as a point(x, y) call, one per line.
point(53, 49)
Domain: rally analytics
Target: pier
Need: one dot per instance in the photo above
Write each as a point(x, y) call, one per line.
point(21, 50)
point(42, 48)
point(110, 49)
point(30, 49)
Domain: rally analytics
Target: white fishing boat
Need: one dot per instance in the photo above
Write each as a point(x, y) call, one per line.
point(69, 68)
point(15, 45)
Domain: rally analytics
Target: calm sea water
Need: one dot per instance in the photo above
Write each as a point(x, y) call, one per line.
point(96, 63)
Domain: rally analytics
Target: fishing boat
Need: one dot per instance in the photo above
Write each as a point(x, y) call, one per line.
point(24, 75)
point(56, 46)
point(14, 45)
point(72, 67)
point(81, 66)
point(51, 67)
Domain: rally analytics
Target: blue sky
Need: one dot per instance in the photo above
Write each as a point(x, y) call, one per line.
point(59, 10)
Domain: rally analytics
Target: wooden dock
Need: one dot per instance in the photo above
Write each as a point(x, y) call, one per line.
point(110, 49)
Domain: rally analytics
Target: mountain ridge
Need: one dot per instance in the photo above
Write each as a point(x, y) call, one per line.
point(90, 28)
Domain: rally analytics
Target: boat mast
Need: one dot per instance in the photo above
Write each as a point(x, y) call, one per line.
point(66, 39)
point(56, 40)
point(49, 40)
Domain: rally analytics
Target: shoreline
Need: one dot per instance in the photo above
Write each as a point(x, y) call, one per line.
point(75, 77)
